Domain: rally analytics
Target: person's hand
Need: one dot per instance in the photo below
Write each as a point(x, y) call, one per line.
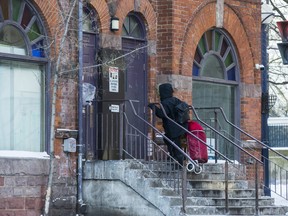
point(151, 105)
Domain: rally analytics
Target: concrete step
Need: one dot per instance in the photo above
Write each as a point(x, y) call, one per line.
point(211, 176)
point(220, 168)
point(249, 201)
point(233, 193)
point(196, 201)
point(232, 215)
point(219, 184)
point(235, 210)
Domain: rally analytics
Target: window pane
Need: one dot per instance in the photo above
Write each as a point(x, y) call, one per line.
point(223, 48)
point(216, 95)
point(89, 19)
point(231, 74)
point(34, 32)
point(229, 59)
point(202, 46)
point(4, 5)
point(195, 70)
point(11, 41)
point(125, 30)
point(21, 106)
point(16, 9)
point(38, 50)
point(209, 39)
point(217, 40)
point(27, 16)
point(212, 68)
point(132, 27)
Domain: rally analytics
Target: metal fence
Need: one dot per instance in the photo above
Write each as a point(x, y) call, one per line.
point(278, 135)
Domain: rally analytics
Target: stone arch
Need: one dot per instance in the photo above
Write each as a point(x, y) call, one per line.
point(198, 21)
point(49, 16)
point(43, 9)
point(102, 10)
point(145, 9)
point(147, 12)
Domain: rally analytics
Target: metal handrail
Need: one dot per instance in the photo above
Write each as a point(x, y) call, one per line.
point(170, 141)
point(190, 133)
point(191, 161)
point(187, 157)
point(244, 132)
point(241, 149)
point(217, 132)
point(215, 150)
point(196, 168)
point(259, 142)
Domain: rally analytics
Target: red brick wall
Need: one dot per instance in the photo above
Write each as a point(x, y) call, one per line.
point(251, 165)
point(173, 31)
point(23, 186)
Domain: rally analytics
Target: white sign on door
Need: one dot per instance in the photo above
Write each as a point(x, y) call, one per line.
point(114, 108)
point(113, 79)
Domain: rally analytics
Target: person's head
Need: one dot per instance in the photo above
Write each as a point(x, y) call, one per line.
point(165, 90)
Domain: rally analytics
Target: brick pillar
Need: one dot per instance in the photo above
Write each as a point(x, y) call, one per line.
point(254, 149)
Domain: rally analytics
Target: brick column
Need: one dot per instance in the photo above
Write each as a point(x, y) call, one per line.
point(254, 149)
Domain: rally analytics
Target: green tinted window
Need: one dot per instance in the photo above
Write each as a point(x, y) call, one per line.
point(34, 32)
point(12, 38)
point(216, 62)
point(16, 9)
point(229, 60)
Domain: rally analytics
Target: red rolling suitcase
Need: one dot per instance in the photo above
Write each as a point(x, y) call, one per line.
point(197, 150)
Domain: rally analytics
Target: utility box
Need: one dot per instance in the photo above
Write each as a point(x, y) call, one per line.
point(69, 145)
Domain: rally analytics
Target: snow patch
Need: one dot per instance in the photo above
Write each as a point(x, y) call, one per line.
point(24, 154)
point(280, 201)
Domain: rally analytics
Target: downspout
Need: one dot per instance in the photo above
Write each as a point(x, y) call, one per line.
point(81, 207)
point(265, 109)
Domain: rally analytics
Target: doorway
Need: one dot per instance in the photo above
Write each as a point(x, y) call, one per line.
point(90, 49)
point(134, 46)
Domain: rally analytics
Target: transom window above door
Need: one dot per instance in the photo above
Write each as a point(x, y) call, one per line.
point(132, 27)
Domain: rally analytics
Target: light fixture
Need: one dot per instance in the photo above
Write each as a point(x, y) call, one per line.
point(114, 25)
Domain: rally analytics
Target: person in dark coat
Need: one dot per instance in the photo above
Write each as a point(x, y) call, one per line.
point(172, 130)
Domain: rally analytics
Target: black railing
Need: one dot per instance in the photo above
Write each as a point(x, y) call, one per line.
point(218, 133)
point(278, 174)
point(278, 135)
point(126, 135)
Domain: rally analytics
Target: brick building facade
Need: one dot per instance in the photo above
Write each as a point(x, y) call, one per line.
point(171, 31)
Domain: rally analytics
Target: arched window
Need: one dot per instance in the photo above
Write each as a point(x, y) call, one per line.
point(89, 19)
point(22, 77)
point(215, 78)
point(132, 28)
point(215, 57)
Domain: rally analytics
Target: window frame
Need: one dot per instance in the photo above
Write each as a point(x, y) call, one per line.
point(29, 58)
point(206, 48)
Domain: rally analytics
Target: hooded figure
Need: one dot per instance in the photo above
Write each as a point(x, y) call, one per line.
point(172, 130)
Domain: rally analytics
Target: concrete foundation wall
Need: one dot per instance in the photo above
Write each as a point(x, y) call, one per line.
point(113, 197)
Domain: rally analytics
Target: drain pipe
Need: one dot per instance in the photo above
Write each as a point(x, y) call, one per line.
point(81, 206)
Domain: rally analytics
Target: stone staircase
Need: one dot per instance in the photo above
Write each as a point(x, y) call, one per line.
point(206, 191)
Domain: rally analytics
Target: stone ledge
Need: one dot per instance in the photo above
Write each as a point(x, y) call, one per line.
point(27, 166)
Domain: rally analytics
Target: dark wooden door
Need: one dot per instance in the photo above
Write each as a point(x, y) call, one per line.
point(135, 89)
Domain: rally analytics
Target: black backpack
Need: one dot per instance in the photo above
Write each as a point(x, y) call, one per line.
point(182, 112)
